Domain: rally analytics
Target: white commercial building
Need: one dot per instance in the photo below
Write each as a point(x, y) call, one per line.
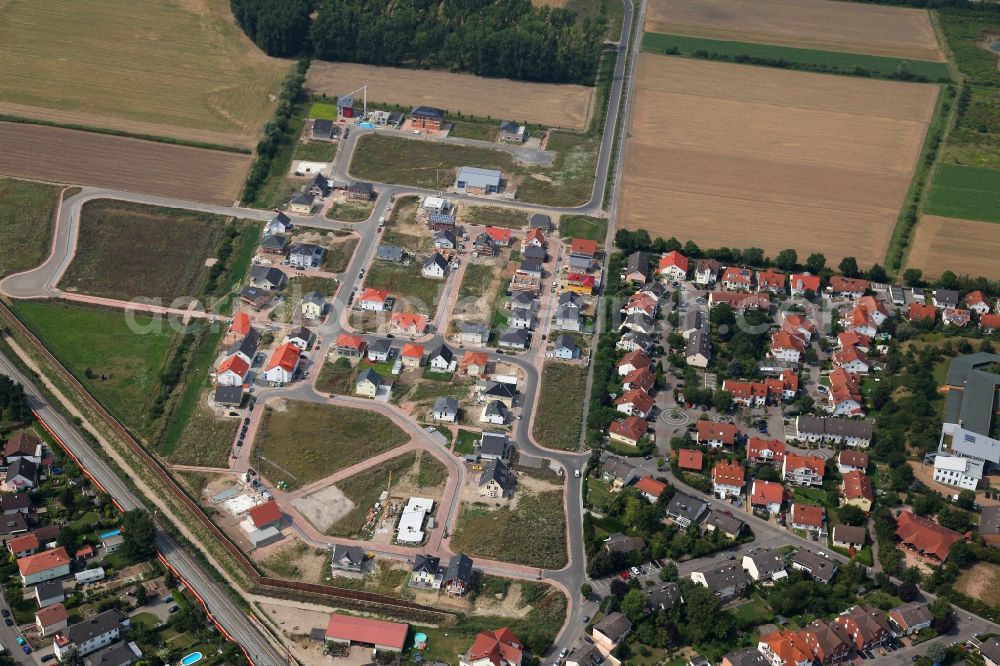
point(958, 471)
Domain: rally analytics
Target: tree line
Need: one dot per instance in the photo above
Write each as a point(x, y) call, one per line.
point(504, 38)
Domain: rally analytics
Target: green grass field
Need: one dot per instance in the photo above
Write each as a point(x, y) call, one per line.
point(323, 111)
point(560, 406)
point(406, 282)
point(120, 366)
point(339, 256)
point(969, 193)
point(350, 211)
point(402, 161)
point(583, 226)
point(126, 250)
point(337, 377)
point(836, 62)
point(476, 281)
point(964, 30)
point(532, 534)
point(465, 129)
point(315, 151)
point(26, 213)
point(178, 68)
point(496, 216)
point(310, 441)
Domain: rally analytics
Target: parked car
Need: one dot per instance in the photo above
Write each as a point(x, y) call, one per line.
point(9, 622)
point(5, 612)
point(173, 609)
point(26, 649)
point(636, 572)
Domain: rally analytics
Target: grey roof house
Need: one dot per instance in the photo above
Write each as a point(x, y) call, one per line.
point(267, 277)
point(391, 253)
point(445, 409)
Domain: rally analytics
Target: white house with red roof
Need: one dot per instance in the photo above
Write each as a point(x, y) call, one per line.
point(583, 247)
point(632, 361)
point(373, 300)
point(650, 488)
point(716, 435)
point(852, 359)
point(727, 479)
point(263, 516)
point(956, 317)
point(737, 279)
point(787, 347)
point(635, 403)
point(499, 647)
point(239, 327)
point(232, 371)
point(640, 378)
point(748, 394)
point(366, 633)
point(808, 518)
point(867, 316)
point(767, 495)
point(46, 565)
point(765, 451)
point(628, 430)
point(854, 339)
point(673, 265)
point(989, 323)
point(803, 470)
point(771, 280)
point(281, 367)
point(500, 235)
point(845, 393)
point(799, 283)
point(847, 287)
point(977, 302)
point(641, 303)
point(706, 271)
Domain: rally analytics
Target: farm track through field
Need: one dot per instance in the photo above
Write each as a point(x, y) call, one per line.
point(743, 156)
point(554, 105)
point(810, 24)
point(84, 158)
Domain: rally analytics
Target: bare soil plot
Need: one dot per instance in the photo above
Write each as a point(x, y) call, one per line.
point(84, 158)
point(815, 24)
point(962, 246)
point(741, 156)
point(178, 68)
point(554, 105)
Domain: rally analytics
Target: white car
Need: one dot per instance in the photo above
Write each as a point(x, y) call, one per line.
point(635, 571)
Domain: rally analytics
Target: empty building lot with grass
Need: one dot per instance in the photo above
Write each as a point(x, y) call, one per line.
point(434, 165)
point(745, 156)
point(126, 250)
point(117, 357)
point(175, 68)
point(308, 441)
point(560, 406)
point(808, 24)
point(27, 210)
point(550, 104)
point(962, 246)
point(85, 158)
point(533, 533)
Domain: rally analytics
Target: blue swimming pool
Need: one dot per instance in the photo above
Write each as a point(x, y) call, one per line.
point(192, 658)
point(110, 534)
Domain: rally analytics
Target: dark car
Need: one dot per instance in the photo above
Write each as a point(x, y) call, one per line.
point(48, 657)
point(868, 653)
point(26, 649)
point(9, 622)
point(5, 612)
point(173, 609)
point(862, 655)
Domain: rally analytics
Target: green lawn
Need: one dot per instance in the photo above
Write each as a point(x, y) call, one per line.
point(830, 61)
point(127, 249)
point(969, 193)
point(465, 444)
point(350, 211)
point(598, 493)
point(560, 406)
point(315, 151)
point(308, 441)
point(406, 282)
point(26, 213)
point(403, 161)
point(120, 365)
point(431, 473)
point(339, 256)
point(337, 377)
point(533, 534)
point(466, 129)
point(754, 612)
point(496, 216)
point(583, 226)
point(476, 281)
point(323, 111)
point(364, 488)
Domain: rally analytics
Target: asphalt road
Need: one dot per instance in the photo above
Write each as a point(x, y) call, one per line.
point(220, 606)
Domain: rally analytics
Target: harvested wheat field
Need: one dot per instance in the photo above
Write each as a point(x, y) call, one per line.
point(84, 158)
point(551, 104)
point(811, 24)
point(737, 156)
point(961, 246)
point(179, 68)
